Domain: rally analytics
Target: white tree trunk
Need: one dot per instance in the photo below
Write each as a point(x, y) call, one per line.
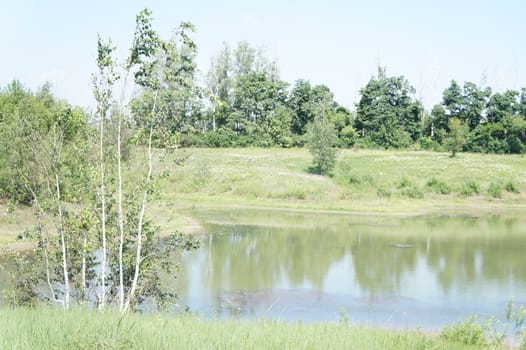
point(83, 268)
point(121, 215)
point(43, 239)
point(62, 243)
point(102, 297)
point(119, 195)
point(138, 255)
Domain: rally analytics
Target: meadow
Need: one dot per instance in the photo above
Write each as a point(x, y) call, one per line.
point(363, 182)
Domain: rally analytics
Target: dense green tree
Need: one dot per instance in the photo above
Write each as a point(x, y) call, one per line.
point(255, 107)
point(494, 121)
point(501, 106)
point(467, 104)
point(304, 100)
point(45, 162)
point(343, 122)
point(300, 103)
point(388, 115)
point(246, 99)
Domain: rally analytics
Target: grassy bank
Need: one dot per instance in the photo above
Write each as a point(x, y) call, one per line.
point(48, 328)
point(364, 181)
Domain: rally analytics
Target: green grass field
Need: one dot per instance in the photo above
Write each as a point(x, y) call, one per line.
point(52, 328)
point(364, 181)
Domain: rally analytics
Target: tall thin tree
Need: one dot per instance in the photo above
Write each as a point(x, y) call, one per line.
point(103, 83)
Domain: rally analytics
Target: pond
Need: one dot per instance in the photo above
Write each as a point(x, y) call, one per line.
point(385, 271)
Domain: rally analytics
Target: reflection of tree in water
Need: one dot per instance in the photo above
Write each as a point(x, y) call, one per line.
point(453, 260)
point(379, 266)
point(458, 251)
point(487, 249)
point(253, 258)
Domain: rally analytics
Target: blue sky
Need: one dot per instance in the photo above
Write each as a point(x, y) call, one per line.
point(335, 42)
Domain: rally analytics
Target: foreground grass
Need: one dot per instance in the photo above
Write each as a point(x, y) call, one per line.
point(52, 328)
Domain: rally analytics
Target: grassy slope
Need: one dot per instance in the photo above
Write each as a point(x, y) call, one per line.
point(55, 329)
point(364, 181)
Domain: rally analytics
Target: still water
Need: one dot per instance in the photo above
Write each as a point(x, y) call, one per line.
point(395, 272)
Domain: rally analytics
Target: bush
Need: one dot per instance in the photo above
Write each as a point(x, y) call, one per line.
point(368, 179)
point(220, 138)
point(438, 186)
point(383, 193)
point(428, 143)
point(413, 192)
point(495, 190)
point(404, 183)
point(290, 193)
point(470, 188)
point(512, 187)
point(354, 180)
point(468, 332)
point(348, 136)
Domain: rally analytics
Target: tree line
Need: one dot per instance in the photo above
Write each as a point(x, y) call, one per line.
point(243, 102)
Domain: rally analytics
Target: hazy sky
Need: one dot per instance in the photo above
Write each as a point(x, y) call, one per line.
point(337, 43)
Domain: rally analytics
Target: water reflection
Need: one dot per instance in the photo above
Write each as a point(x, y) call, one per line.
point(426, 271)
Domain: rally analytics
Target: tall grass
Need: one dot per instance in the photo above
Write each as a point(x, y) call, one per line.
point(50, 328)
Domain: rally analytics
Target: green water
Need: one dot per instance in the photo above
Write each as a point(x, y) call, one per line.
point(423, 271)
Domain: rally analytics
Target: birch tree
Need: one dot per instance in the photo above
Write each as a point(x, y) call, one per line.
point(153, 65)
point(103, 83)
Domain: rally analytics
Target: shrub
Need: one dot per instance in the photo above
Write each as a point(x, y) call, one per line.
point(354, 180)
point(495, 190)
point(516, 316)
point(428, 143)
point(468, 332)
point(512, 187)
point(295, 193)
point(404, 183)
point(438, 186)
point(383, 193)
point(368, 179)
point(220, 138)
point(348, 136)
point(413, 192)
point(470, 188)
